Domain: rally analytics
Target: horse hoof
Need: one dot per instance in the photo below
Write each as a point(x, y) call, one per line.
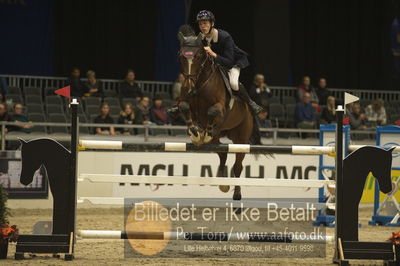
point(195, 136)
point(196, 141)
point(237, 195)
point(224, 189)
point(192, 131)
point(207, 138)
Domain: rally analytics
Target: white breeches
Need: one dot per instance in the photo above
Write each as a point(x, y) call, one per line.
point(234, 73)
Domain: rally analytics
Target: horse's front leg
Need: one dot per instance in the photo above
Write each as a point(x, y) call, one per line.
point(214, 115)
point(193, 131)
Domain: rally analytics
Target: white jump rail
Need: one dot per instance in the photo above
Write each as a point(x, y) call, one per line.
point(231, 148)
point(187, 236)
point(189, 147)
point(199, 202)
point(212, 181)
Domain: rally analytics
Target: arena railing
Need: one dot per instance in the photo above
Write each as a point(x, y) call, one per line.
point(154, 87)
point(146, 136)
point(23, 82)
point(368, 95)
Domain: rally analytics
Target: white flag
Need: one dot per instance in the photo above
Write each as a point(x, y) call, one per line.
point(349, 98)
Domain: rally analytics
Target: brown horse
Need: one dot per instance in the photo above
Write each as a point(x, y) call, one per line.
point(207, 107)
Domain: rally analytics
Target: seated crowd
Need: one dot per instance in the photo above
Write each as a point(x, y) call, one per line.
point(142, 114)
point(21, 122)
point(128, 106)
point(141, 111)
point(310, 107)
point(313, 106)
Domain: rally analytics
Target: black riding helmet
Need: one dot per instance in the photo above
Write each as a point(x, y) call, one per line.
point(205, 15)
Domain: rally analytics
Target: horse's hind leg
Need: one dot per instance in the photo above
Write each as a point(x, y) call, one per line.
point(193, 132)
point(222, 170)
point(241, 135)
point(237, 170)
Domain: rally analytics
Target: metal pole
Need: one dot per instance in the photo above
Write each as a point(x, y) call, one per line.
point(73, 170)
point(146, 133)
point(339, 180)
point(3, 137)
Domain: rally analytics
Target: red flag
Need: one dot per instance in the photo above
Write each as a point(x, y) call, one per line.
point(66, 91)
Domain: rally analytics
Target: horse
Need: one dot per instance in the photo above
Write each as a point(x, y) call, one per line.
point(356, 167)
point(55, 158)
point(208, 108)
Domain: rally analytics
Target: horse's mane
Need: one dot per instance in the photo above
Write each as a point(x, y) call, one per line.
point(187, 30)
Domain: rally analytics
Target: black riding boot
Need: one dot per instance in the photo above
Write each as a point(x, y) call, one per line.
point(242, 94)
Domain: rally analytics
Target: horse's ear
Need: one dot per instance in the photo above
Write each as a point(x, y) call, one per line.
point(22, 141)
point(181, 37)
point(199, 40)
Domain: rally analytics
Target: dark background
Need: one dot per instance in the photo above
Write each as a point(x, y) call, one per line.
point(345, 41)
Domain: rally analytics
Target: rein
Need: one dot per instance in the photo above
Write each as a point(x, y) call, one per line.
point(194, 77)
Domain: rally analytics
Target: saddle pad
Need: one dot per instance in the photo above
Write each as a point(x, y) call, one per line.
point(225, 77)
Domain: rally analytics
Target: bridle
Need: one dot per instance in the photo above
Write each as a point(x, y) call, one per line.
point(193, 78)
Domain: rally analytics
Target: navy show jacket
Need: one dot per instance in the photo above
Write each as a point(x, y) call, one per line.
point(228, 54)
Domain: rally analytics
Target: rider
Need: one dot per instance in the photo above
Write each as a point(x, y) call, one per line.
point(220, 45)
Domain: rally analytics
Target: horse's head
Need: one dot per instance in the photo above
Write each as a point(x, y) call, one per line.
point(30, 162)
point(192, 56)
point(382, 171)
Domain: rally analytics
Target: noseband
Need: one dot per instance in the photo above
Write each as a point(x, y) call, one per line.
point(193, 78)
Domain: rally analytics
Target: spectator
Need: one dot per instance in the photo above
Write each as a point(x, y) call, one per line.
point(175, 116)
point(259, 91)
point(261, 119)
point(104, 118)
point(75, 78)
point(304, 112)
point(176, 88)
point(93, 85)
point(263, 122)
point(129, 116)
point(306, 86)
point(158, 114)
point(322, 91)
point(3, 89)
point(4, 114)
point(144, 108)
point(376, 113)
point(358, 120)
point(176, 119)
point(129, 88)
point(328, 114)
point(22, 123)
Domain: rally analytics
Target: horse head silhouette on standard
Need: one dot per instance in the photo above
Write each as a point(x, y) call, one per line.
point(205, 104)
point(55, 158)
point(356, 167)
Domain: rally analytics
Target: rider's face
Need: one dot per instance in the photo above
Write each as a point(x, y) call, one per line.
point(205, 26)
